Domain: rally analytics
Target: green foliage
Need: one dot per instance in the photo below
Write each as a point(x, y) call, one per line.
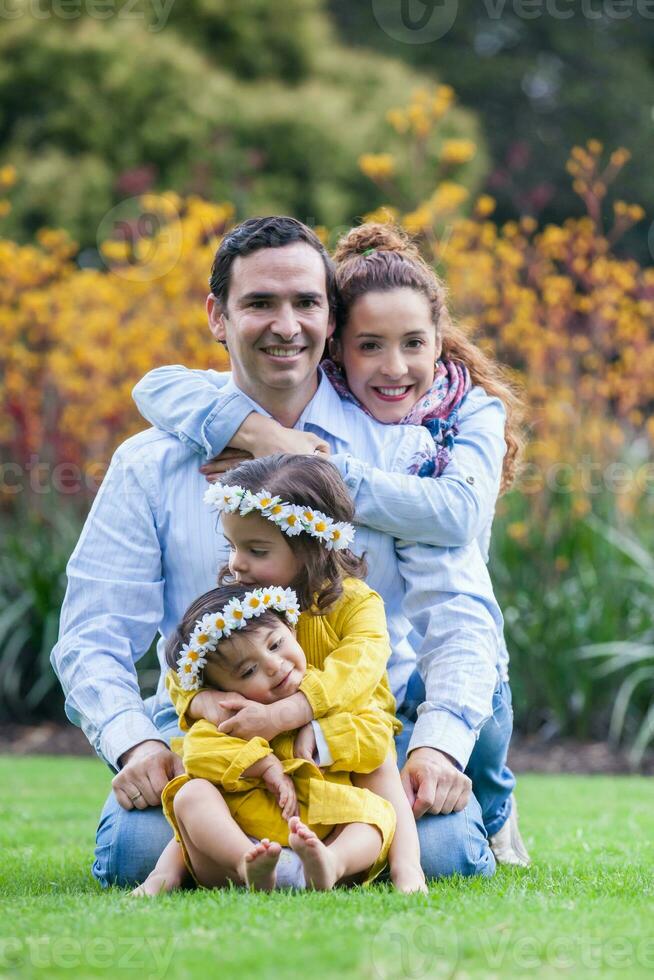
point(540, 83)
point(630, 661)
point(127, 109)
point(563, 586)
point(32, 585)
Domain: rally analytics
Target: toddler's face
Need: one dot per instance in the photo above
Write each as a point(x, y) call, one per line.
point(259, 552)
point(264, 664)
point(388, 351)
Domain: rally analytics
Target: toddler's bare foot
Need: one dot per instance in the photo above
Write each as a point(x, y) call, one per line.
point(157, 884)
point(408, 878)
point(260, 864)
point(320, 870)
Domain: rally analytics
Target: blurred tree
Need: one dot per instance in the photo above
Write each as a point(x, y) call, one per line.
point(543, 77)
point(268, 112)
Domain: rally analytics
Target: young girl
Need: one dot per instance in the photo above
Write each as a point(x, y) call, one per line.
point(274, 520)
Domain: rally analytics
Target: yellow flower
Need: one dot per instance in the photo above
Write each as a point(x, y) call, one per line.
point(485, 205)
point(457, 151)
point(377, 166)
point(7, 176)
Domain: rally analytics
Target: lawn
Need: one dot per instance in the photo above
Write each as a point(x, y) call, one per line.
point(585, 908)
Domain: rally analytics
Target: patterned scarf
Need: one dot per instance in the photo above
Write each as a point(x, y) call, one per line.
point(437, 410)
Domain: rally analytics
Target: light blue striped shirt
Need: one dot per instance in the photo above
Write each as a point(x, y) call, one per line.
point(150, 546)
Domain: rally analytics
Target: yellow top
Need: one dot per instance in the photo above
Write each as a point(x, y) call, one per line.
point(347, 650)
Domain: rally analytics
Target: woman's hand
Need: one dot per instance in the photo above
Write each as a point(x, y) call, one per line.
point(304, 746)
point(261, 436)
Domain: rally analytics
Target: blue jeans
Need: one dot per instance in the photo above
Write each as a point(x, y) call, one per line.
point(129, 842)
point(458, 842)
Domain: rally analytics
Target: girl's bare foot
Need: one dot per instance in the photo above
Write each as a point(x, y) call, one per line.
point(156, 884)
point(260, 864)
point(320, 870)
point(408, 878)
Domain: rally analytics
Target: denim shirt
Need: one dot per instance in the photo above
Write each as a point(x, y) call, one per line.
point(150, 546)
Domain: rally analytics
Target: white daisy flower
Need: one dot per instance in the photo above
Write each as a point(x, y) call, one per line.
point(322, 528)
point(224, 497)
point(188, 681)
point(252, 604)
point(219, 625)
point(265, 501)
point(195, 659)
point(233, 613)
point(341, 537)
point(308, 516)
point(279, 599)
point(203, 637)
point(248, 503)
point(267, 597)
point(290, 521)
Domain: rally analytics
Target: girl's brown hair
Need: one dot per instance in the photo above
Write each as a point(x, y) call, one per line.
point(212, 602)
point(396, 263)
point(315, 483)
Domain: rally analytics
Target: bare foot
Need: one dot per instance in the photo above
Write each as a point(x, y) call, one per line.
point(320, 870)
point(156, 884)
point(260, 864)
point(408, 878)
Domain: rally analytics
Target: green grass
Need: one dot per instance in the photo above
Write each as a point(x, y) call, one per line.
point(585, 908)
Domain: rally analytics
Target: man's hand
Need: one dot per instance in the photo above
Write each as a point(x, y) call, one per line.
point(433, 783)
point(208, 704)
point(146, 768)
point(304, 746)
point(249, 719)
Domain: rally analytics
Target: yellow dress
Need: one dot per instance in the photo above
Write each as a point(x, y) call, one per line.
point(346, 685)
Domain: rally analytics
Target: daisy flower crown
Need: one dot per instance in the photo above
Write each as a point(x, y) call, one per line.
point(291, 519)
point(216, 626)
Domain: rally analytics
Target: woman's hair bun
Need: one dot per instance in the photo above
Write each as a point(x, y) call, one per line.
point(382, 237)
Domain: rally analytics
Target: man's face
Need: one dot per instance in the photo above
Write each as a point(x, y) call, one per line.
point(276, 321)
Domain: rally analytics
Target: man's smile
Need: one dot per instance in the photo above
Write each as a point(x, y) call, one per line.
point(283, 352)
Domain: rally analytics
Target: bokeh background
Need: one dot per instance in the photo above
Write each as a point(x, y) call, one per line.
point(513, 139)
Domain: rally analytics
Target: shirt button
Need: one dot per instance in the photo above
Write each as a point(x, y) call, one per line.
point(470, 480)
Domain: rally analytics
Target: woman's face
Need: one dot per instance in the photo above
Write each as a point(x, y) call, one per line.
point(388, 351)
point(259, 552)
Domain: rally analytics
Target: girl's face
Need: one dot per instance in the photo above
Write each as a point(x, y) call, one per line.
point(388, 351)
point(264, 663)
point(259, 552)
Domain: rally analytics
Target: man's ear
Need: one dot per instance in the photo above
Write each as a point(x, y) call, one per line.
point(216, 318)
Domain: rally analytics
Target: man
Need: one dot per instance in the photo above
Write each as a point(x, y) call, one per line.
point(150, 546)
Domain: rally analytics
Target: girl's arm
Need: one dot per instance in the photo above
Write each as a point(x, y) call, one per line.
point(358, 742)
point(449, 511)
point(357, 666)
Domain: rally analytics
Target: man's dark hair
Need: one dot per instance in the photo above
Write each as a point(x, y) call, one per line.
point(271, 232)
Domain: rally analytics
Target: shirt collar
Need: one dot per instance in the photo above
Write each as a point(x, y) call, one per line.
point(324, 411)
